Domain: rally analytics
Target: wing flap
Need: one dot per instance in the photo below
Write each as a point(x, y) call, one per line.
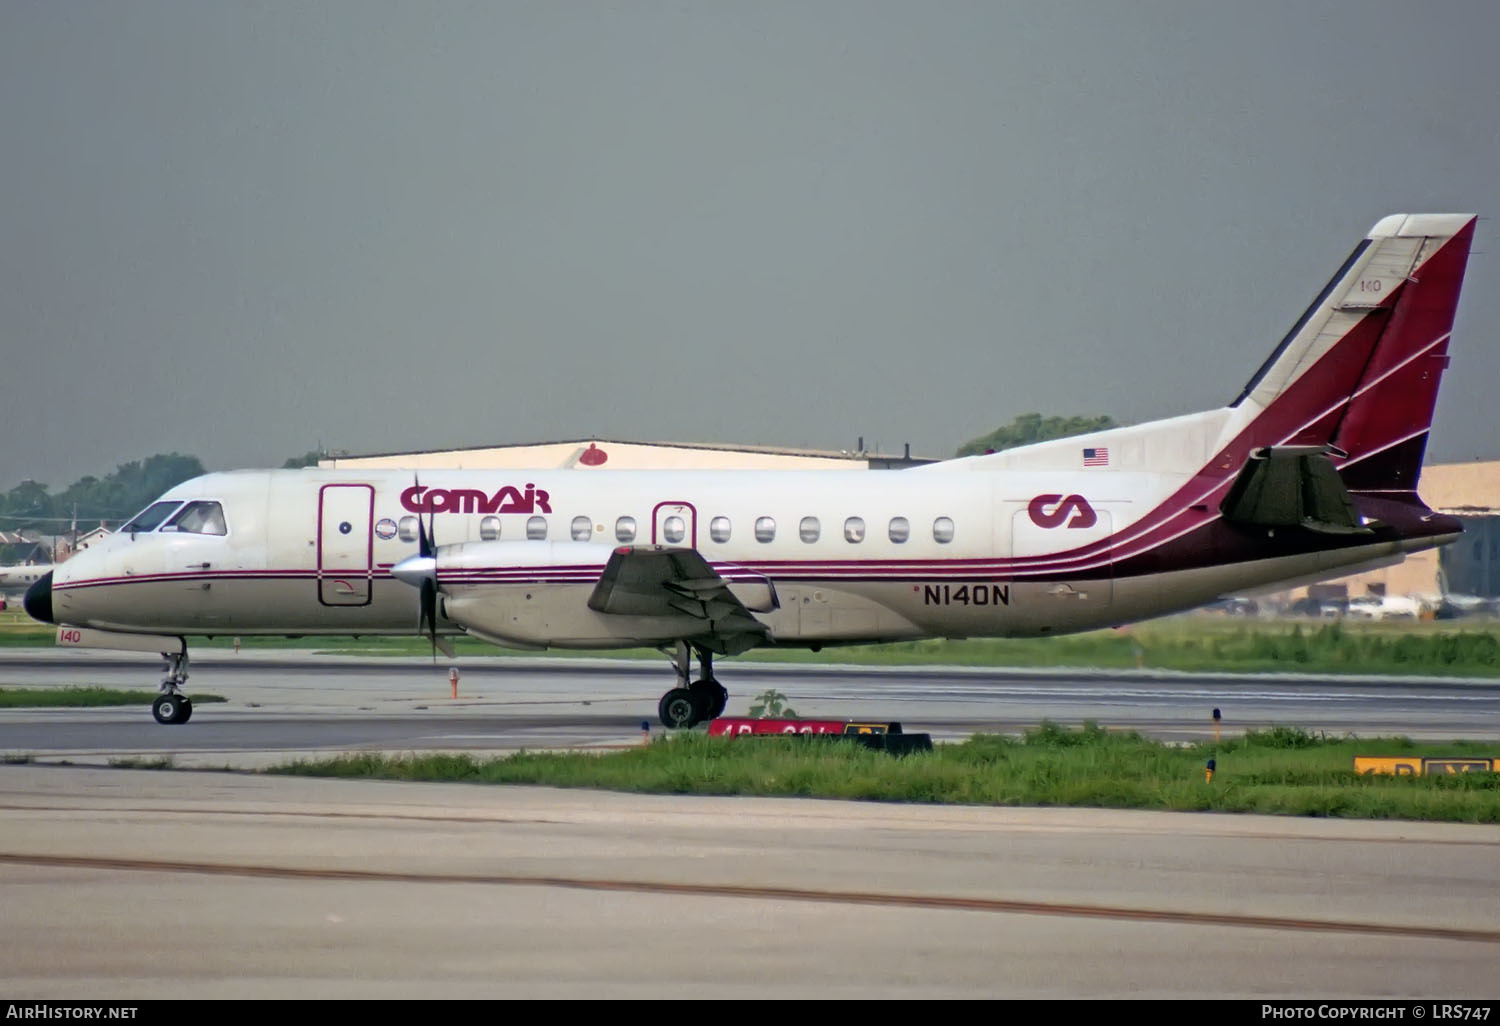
point(657, 580)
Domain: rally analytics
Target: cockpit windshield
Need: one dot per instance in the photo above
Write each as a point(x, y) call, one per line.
point(198, 518)
point(150, 518)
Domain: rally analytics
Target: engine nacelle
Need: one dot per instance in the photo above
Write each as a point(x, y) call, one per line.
point(534, 594)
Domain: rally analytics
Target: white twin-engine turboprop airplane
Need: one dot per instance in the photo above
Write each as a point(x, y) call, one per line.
point(1310, 472)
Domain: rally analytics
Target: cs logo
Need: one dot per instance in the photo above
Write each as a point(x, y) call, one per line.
point(1052, 510)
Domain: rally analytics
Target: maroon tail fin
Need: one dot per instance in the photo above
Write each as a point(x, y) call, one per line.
point(1385, 425)
point(1359, 372)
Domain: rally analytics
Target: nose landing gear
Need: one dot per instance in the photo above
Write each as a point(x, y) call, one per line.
point(689, 704)
point(172, 706)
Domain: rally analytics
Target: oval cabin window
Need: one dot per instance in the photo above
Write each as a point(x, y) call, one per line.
point(673, 530)
point(718, 529)
point(625, 530)
point(942, 530)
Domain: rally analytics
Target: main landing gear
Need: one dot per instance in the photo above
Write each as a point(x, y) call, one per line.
point(172, 706)
point(689, 704)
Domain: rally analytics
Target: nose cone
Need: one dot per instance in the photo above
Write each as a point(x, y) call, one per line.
point(413, 570)
point(38, 601)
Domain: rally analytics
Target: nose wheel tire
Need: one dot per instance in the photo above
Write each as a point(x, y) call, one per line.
point(679, 709)
point(171, 709)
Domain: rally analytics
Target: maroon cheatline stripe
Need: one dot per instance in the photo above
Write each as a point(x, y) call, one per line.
point(799, 571)
point(826, 897)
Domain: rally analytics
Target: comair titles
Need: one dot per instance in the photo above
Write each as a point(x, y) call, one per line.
point(421, 499)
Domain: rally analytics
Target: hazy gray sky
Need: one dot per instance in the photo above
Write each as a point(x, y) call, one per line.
point(241, 229)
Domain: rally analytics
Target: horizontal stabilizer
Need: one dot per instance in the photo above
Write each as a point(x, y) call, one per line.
point(1296, 486)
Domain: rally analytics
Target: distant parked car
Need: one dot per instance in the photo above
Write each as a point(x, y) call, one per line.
point(1322, 609)
point(1385, 607)
point(1234, 607)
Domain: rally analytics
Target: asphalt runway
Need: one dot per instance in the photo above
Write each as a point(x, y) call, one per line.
point(300, 703)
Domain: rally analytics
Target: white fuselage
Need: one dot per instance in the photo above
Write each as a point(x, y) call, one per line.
point(18, 578)
point(1000, 553)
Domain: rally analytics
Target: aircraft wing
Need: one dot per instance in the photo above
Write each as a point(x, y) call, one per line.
point(658, 580)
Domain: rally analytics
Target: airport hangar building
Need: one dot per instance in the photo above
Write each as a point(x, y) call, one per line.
point(1470, 491)
point(1470, 565)
point(616, 454)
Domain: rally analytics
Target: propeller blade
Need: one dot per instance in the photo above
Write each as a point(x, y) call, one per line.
point(422, 572)
point(425, 545)
point(429, 612)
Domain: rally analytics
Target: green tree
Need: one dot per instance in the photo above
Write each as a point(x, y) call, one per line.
point(134, 485)
point(1033, 427)
point(130, 488)
point(27, 505)
point(307, 459)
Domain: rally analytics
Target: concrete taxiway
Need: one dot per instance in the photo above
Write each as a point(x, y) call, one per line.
point(133, 884)
point(127, 884)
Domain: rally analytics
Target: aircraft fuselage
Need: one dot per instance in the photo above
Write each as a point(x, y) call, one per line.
point(851, 556)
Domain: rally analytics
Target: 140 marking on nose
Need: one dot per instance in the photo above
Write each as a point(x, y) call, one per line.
point(966, 595)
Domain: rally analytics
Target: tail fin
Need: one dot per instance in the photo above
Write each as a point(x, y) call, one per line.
point(1359, 372)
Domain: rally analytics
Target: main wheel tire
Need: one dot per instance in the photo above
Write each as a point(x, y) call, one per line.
point(712, 697)
point(184, 709)
point(167, 709)
point(679, 709)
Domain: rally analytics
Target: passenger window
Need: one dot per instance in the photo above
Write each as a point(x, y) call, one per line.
point(809, 529)
point(583, 528)
point(198, 518)
point(625, 529)
point(150, 518)
point(489, 529)
point(406, 529)
point(942, 530)
point(673, 530)
point(854, 530)
point(536, 529)
point(765, 529)
point(718, 529)
point(900, 529)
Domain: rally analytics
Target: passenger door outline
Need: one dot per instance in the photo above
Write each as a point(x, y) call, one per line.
point(346, 559)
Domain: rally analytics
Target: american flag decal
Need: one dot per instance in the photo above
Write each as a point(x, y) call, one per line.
point(1096, 457)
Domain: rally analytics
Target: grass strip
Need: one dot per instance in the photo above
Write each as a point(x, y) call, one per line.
point(81, 697)
point(1283, 771)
